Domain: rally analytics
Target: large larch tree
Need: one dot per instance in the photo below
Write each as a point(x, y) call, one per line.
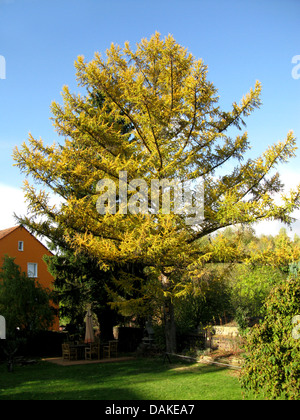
point(158, 117)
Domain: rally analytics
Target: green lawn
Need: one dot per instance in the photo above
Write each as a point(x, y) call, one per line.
point(141, 379)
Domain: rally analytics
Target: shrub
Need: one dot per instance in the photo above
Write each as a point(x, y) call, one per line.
point(272, 367)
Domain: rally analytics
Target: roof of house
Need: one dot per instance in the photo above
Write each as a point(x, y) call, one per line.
point(6, 232)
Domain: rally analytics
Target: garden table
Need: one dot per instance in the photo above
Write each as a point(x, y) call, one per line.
point(80, 350)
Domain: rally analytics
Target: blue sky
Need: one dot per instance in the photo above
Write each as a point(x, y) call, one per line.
point(240, 41)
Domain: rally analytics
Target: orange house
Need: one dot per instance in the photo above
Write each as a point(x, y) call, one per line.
point(19, 243)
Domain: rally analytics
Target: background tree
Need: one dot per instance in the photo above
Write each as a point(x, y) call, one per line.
point(25, 305)
point(209, 302)
point(250, 286)
point(23, 302)
point(177, 131)
point(257, 264)
point(79, 283)
point(279, 251)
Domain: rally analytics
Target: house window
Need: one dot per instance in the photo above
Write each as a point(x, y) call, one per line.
point(32, 270)
point(20, 246)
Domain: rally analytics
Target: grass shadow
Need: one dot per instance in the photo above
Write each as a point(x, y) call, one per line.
point(140, 379)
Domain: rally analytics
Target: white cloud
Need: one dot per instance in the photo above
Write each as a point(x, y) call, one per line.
point(290, 179)
point(272, 228)
point(12, 201)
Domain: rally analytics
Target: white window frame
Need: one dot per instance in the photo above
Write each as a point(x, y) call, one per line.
point(20, 246)
point(32, 270)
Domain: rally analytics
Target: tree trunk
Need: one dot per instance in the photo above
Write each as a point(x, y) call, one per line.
point(169, 319)
point(107, 321)
point(170, 327)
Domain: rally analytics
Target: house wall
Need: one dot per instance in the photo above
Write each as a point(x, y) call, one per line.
point(33, 252)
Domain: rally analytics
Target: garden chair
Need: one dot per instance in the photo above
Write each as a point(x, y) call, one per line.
point(111, 350)
point(93, 351)
point(68, 352)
